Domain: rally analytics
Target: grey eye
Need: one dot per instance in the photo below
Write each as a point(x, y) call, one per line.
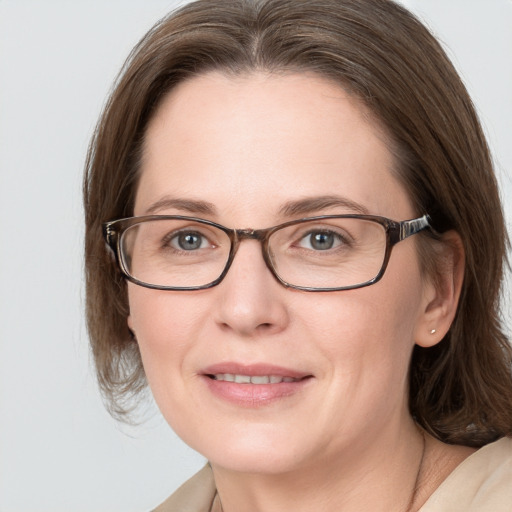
point(188, 241)
point(319, 240)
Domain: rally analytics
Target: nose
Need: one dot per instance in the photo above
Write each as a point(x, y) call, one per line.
point(250, 301)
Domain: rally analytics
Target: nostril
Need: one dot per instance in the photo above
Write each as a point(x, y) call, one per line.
point(265, 327)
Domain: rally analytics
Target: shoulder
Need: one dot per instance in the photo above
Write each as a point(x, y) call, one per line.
point(195, 495)
point(482, 483)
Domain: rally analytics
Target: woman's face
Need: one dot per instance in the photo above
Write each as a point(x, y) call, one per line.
point(247, 152)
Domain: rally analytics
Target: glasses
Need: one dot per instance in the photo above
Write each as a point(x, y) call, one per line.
point(323, 253)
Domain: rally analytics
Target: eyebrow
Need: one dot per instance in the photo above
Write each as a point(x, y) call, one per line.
point(185, 205)
point(314, 204)
point(302, 207)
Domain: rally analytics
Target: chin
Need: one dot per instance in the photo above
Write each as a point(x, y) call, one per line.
point(256, 462)
point(254, 452)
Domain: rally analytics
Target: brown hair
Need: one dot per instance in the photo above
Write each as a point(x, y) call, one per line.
point(461, 389)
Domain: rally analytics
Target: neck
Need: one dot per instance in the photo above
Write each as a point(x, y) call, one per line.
point(381, 476)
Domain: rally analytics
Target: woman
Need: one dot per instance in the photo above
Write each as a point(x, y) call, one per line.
point(298, 195)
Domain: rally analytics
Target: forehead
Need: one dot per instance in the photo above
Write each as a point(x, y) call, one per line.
point(262, 139)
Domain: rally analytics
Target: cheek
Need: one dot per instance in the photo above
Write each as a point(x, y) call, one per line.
point(161, 318)
point(367, 334)
point(164, 329)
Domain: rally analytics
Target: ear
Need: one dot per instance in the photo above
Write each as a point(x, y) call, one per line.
point(442, 291)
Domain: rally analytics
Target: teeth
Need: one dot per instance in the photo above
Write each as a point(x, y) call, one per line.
point(263, 379)
point(253, 379)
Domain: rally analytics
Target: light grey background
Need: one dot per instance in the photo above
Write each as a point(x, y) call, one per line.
point(59, 450)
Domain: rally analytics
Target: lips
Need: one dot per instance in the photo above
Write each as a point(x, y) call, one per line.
point(253, 385)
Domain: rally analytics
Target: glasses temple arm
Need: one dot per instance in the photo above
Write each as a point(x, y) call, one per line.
point(411, 227)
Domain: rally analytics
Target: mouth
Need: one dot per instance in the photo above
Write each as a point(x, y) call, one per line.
point(254, 385)
point(252, 379)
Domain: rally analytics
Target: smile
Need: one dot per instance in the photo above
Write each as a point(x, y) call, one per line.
point(254, 385)
point(252, 379)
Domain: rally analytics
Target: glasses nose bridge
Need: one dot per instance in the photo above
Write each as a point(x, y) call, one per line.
point(261, 235)
point(250, 234)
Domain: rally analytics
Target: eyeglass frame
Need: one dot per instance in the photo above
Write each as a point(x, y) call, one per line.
point(396, 231)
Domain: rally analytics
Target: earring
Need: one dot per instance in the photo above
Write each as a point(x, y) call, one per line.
point(433, 331)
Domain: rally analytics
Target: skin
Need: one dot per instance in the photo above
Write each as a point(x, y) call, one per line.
point(345, 440)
